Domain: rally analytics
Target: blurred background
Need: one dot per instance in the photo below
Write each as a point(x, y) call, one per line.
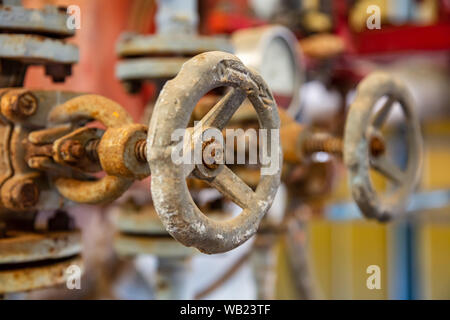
point(329, 247)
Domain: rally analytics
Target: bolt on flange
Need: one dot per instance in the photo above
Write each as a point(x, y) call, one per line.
point(17, 105)
point(24, 194)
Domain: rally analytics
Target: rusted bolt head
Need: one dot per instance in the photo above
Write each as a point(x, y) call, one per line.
point(212, 154)
point(72, 150)
point(25, 105)
point(25, 194)
point(377, 146)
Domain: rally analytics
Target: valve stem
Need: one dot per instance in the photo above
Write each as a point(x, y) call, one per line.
point(323, 143)
point(333, 145)
point(91, 149)
point(140, 150)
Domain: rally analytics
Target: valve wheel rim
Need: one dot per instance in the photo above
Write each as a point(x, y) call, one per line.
point(175, 104)
point(361, 125)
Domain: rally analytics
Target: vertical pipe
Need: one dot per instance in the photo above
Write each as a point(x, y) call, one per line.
point(177, 17)
point(173, 279)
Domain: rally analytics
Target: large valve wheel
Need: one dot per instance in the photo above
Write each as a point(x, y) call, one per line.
point(173, 202)
point(364, 147)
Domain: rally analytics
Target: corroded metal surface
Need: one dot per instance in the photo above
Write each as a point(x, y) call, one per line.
point(173, 202)
point(34, 37)
point(170, 44)
point(111, 115)
point(32, 260)
point(149, 68)
point(46, 101)
point(117, 152)
point(69, 150)
point(361, 127)
point(99, 191)
point(160, 56)
point(19, 247)
point(43, 146)
point(18, 105)
point(49, 20)
point(23, 187)
point(92, 107)
point(6, 170)
point(31, 278)
point(35, 49)
point(19, 191)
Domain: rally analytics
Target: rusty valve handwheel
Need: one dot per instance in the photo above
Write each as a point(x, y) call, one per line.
point(364, 147)
point(175, 104)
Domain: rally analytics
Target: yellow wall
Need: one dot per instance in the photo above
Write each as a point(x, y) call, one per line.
point(340, 253)
point(433, 259)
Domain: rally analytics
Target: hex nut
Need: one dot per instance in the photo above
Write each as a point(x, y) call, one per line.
point(117, 152)
point(72, 151)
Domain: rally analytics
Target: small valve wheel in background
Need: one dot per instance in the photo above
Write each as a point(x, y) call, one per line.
point(364, 147)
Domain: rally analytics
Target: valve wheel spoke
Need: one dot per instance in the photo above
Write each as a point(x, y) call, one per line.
point(232, 187)
point(382, 114)
point(388, 169)
point(222, 112)
point(382, 163)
